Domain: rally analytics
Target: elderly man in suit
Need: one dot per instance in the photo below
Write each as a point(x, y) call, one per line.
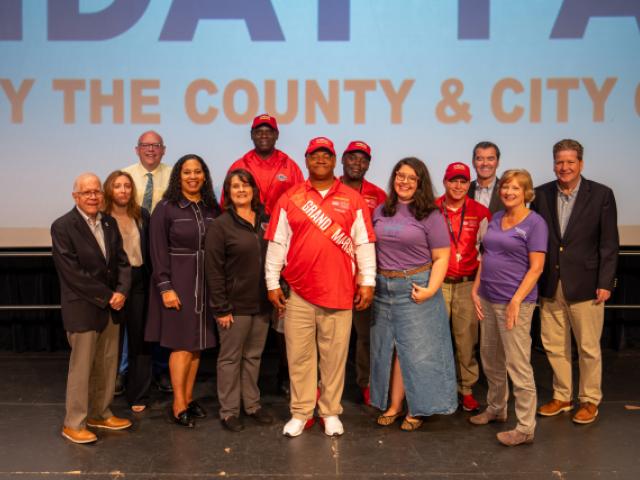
point(95, 277)
point(579, 275)
point(484, 189)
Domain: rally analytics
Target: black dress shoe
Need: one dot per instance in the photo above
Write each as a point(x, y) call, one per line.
point(184, 419)
point(261, 416)
point(195, 410)
point(163, 382)
point(232, 423)
point(121, 381)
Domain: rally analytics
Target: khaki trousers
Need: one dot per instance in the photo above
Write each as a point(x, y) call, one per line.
point(92, 375)
point(362, 324)
point(558, 319)
point(238, 367)
point(313, 333)
point(509, 352)
point(464, 326)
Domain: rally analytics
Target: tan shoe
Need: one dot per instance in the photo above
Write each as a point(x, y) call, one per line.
point(111, 423)
point(554, 407)
point(587, 413)
point(514, 437)
point(487, 417)
point(79, 436)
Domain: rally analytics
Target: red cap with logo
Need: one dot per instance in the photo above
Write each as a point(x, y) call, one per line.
point(320, 143)
point(359, 146)
point(265, 119)
point(457, 169)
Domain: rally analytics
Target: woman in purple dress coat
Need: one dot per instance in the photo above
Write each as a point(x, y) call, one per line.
point(179, 317)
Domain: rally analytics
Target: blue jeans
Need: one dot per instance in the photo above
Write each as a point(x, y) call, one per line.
point(421, 336)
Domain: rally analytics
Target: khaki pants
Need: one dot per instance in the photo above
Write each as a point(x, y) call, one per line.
point(311, 332)
point(362, 324)
point(92, 375)
point(558, 319)
point(464, 326)
point(509, 352)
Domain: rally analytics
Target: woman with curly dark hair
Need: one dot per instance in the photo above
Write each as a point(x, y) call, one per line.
point(411, 352)
point(179, 316)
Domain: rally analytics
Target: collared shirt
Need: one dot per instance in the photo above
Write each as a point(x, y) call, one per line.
point(315, 267)
point(160, 181)
point(96, 228)
point(483, 194)
point(565, 206)
point(372, 194)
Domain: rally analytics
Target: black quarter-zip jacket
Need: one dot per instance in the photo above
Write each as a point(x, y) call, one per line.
point(235, 253)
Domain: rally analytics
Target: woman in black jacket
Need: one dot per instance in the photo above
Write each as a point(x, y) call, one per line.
point(234, 264)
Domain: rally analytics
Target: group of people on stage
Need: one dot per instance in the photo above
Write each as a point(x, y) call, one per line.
point(424, 280)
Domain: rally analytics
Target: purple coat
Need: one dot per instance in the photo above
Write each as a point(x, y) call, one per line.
point(176, 237)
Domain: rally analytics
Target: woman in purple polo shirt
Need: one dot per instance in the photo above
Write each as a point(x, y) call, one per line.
point(504, 294)
point(411, 352)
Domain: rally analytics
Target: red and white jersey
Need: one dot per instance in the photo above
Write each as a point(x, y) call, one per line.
point(372, 194)
point(463, 260)
point(320, 266)
point(274, 175)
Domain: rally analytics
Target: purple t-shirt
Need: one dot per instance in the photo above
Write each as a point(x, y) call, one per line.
point(404, 243)
point(505, 260)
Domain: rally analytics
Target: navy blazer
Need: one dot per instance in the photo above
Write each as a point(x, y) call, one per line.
point(87, 278)
point(585, 258)
point(495, 204)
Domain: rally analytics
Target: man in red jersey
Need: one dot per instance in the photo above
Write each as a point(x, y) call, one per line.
point(355, 163)
point(319, 231)
point(275, 172)
point(467, 221)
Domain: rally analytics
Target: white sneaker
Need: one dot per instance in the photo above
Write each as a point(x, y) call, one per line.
point(333, 426)
point(293, 427)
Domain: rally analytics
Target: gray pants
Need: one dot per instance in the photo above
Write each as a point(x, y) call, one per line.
point(92, 375)
point(241, 347)
point(509, 352)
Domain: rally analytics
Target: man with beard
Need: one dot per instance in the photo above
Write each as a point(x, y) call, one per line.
point(355, 164)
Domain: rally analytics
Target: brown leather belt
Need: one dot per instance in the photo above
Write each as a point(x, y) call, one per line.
point(467, 278)
point(403, 273)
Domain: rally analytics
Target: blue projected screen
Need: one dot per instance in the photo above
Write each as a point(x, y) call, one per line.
point(81, 80)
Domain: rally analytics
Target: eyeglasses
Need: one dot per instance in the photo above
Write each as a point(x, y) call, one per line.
point(91, 193)
point(403, 177)
point(150, 145)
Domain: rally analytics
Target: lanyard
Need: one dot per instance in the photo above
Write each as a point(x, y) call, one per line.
point(455, 240)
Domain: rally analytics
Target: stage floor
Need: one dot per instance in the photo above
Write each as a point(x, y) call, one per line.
point(31, 447)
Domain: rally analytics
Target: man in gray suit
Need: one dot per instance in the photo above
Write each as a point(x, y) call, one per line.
point(95, 277)
point(484, 189)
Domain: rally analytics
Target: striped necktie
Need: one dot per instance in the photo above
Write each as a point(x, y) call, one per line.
point(147, 199)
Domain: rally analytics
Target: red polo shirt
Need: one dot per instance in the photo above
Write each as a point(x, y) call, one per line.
point(372, 195)
point(318, 269)
point(274, 175)
point(474, 214)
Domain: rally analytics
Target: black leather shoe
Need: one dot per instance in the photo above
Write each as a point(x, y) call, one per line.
point(121, 381)
point(232, 423)
point(261, 416)
point(184, 419)
point(163, 382)
point(195, 410)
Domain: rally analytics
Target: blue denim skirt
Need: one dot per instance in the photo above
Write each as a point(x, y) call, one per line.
point(421, 335)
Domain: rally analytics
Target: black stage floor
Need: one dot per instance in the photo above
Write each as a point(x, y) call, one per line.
point(32, 396)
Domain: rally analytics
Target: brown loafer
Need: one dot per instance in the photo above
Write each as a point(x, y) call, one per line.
point(487, 417)
point(111, 423)
point(411, 424)
point(587, 413)
point(79, 436)
point(554, 407)
point(512, 438)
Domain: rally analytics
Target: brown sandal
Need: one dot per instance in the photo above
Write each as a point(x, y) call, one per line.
point(386, 420)
point(411, 425)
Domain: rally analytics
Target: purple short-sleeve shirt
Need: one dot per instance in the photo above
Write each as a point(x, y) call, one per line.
point(404, 243)
point(505, 259)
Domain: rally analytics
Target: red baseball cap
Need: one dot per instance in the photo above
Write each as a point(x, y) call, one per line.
point(320, 143)
point(359, 146)
point(457, 169)
point(265, 119)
